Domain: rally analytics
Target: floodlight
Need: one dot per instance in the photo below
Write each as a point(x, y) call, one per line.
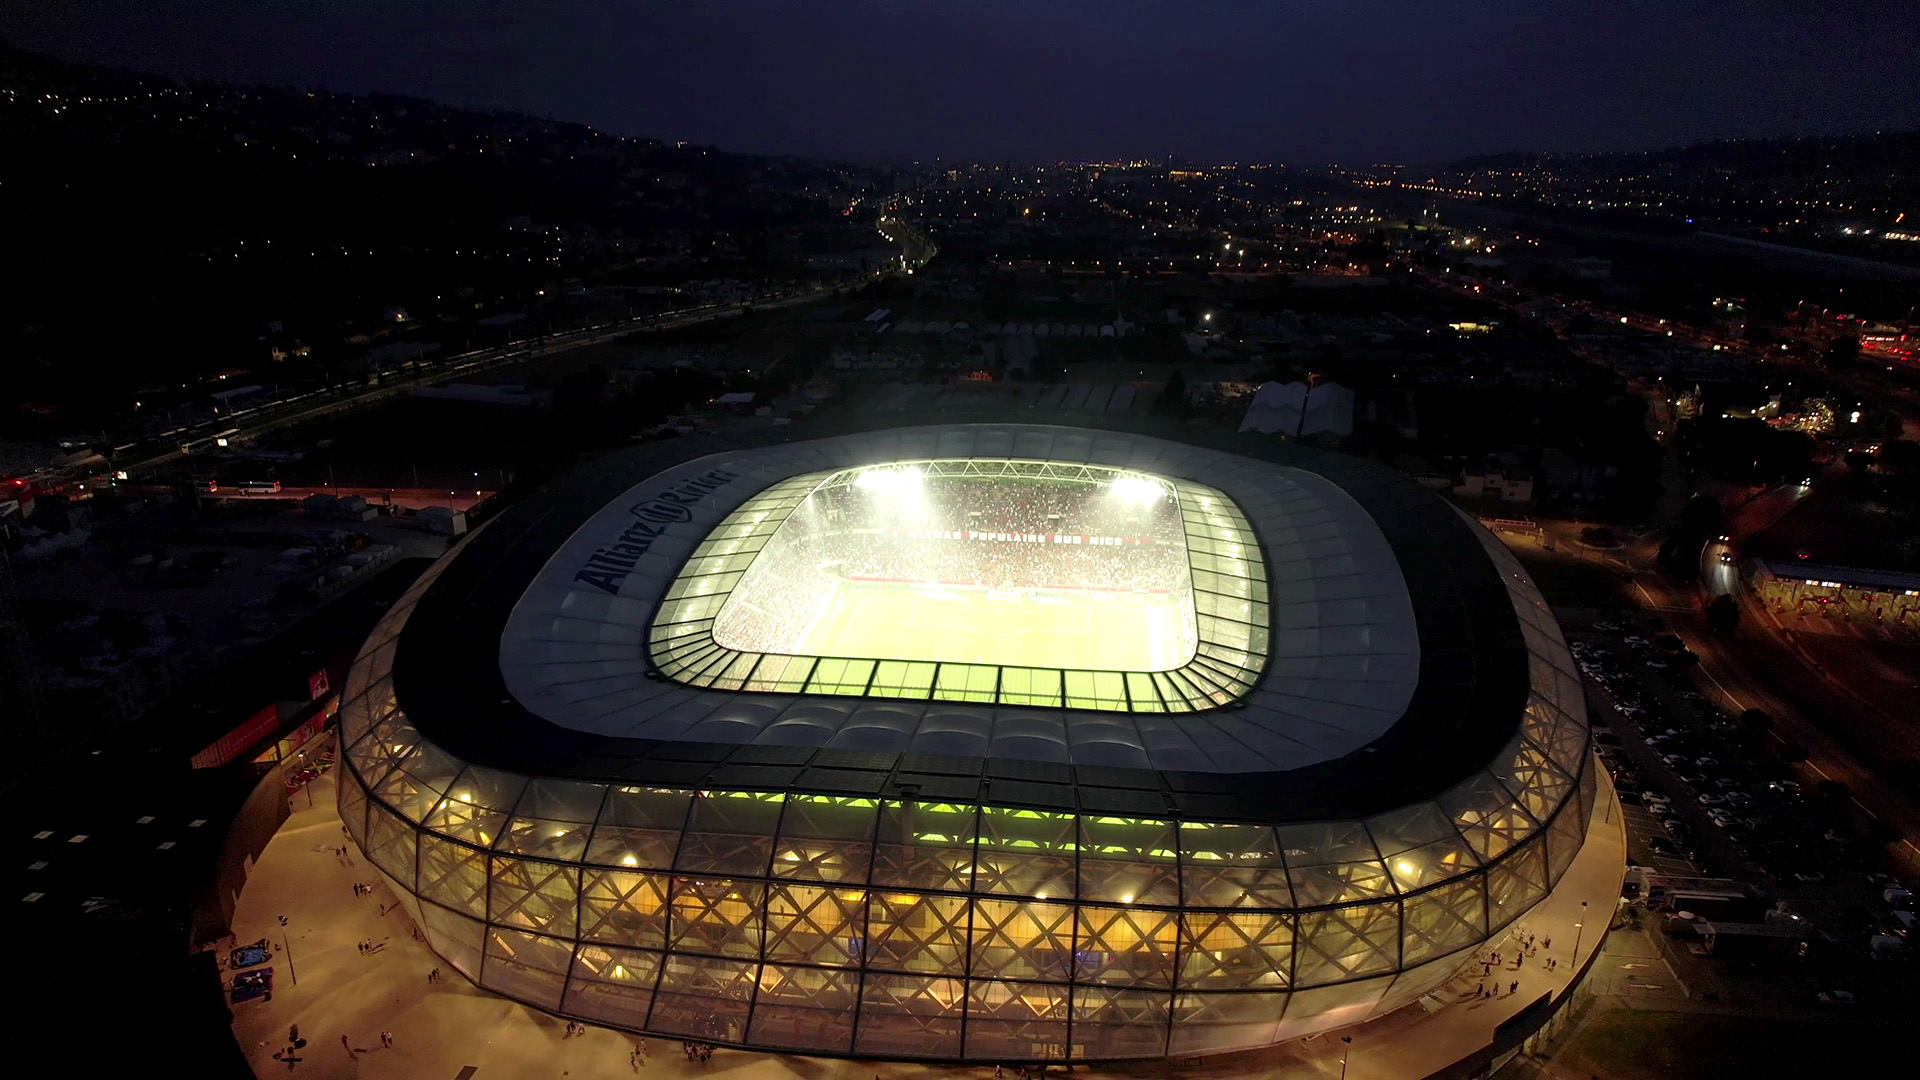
point(1135, 488)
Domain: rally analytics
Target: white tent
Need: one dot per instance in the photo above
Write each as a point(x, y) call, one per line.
point(1276, 408)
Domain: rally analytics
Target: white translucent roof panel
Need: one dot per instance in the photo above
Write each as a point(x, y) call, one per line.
point(1343, 655)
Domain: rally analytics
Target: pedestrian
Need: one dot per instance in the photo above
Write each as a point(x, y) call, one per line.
point(1515, 988)
point(641, 1049)
point(386, 1039)
point(1546, 943)
point(362, 946)
point(1481, 990)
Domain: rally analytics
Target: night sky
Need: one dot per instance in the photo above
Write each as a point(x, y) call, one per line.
point(1351, 81)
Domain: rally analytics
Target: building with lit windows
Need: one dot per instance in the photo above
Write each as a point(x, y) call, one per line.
point(979, 742)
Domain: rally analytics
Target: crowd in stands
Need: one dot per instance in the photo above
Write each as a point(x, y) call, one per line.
point(1006, 505)
point(851, 533)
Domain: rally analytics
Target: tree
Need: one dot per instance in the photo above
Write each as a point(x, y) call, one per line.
point(1700, 518)
point(1836, 790)
point(1792, 753)
point(1881, 833)
point(580, 393)
point(1844, 349)
point(1173, 396)
point(1756, 720)
point(1722, 613)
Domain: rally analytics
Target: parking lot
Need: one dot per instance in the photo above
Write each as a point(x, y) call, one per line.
point(1706, 794)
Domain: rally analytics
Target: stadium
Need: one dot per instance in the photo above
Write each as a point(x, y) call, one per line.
point(997, 743)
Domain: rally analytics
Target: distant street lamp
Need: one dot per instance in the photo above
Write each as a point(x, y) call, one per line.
point(1579, 928)
point(1344, 1051)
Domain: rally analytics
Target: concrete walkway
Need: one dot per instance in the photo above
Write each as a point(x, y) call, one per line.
point(329, 988)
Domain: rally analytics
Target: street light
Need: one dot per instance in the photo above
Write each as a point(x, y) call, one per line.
point(1579, 928)
point(1344, 1051)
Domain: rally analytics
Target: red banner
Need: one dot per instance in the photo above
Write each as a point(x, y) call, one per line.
point(235, 742)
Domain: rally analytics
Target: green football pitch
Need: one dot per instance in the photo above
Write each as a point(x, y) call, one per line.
point(1054, 629)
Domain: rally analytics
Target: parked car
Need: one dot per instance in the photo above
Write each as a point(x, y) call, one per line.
point(1835, 997)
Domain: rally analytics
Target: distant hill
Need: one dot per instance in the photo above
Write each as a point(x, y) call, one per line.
point(159, 224)
point(1753, 158)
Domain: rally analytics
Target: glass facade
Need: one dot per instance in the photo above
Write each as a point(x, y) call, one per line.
point(1224, 601)
point(924, 929)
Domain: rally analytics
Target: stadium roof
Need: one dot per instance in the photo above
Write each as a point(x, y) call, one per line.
point(1398, 664)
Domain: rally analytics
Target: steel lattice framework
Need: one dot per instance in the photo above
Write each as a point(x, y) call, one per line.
point(981, 929)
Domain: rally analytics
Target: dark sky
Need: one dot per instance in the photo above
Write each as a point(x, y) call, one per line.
point(1326, 80)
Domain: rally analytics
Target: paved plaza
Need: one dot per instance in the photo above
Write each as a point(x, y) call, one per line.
point(326, 985)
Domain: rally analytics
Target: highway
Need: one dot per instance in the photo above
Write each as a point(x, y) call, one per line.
point(1759, 666)
point(404, 497)
point(464, 365)
point(1756, 668)
point(153, 454)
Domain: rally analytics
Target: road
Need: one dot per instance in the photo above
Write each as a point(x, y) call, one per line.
point(1755, 670)
point(155, 454)
point(1758, 668)
point(467, 365)
point(407, 498)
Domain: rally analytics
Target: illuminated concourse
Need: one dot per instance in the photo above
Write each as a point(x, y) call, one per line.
point(601, 794)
